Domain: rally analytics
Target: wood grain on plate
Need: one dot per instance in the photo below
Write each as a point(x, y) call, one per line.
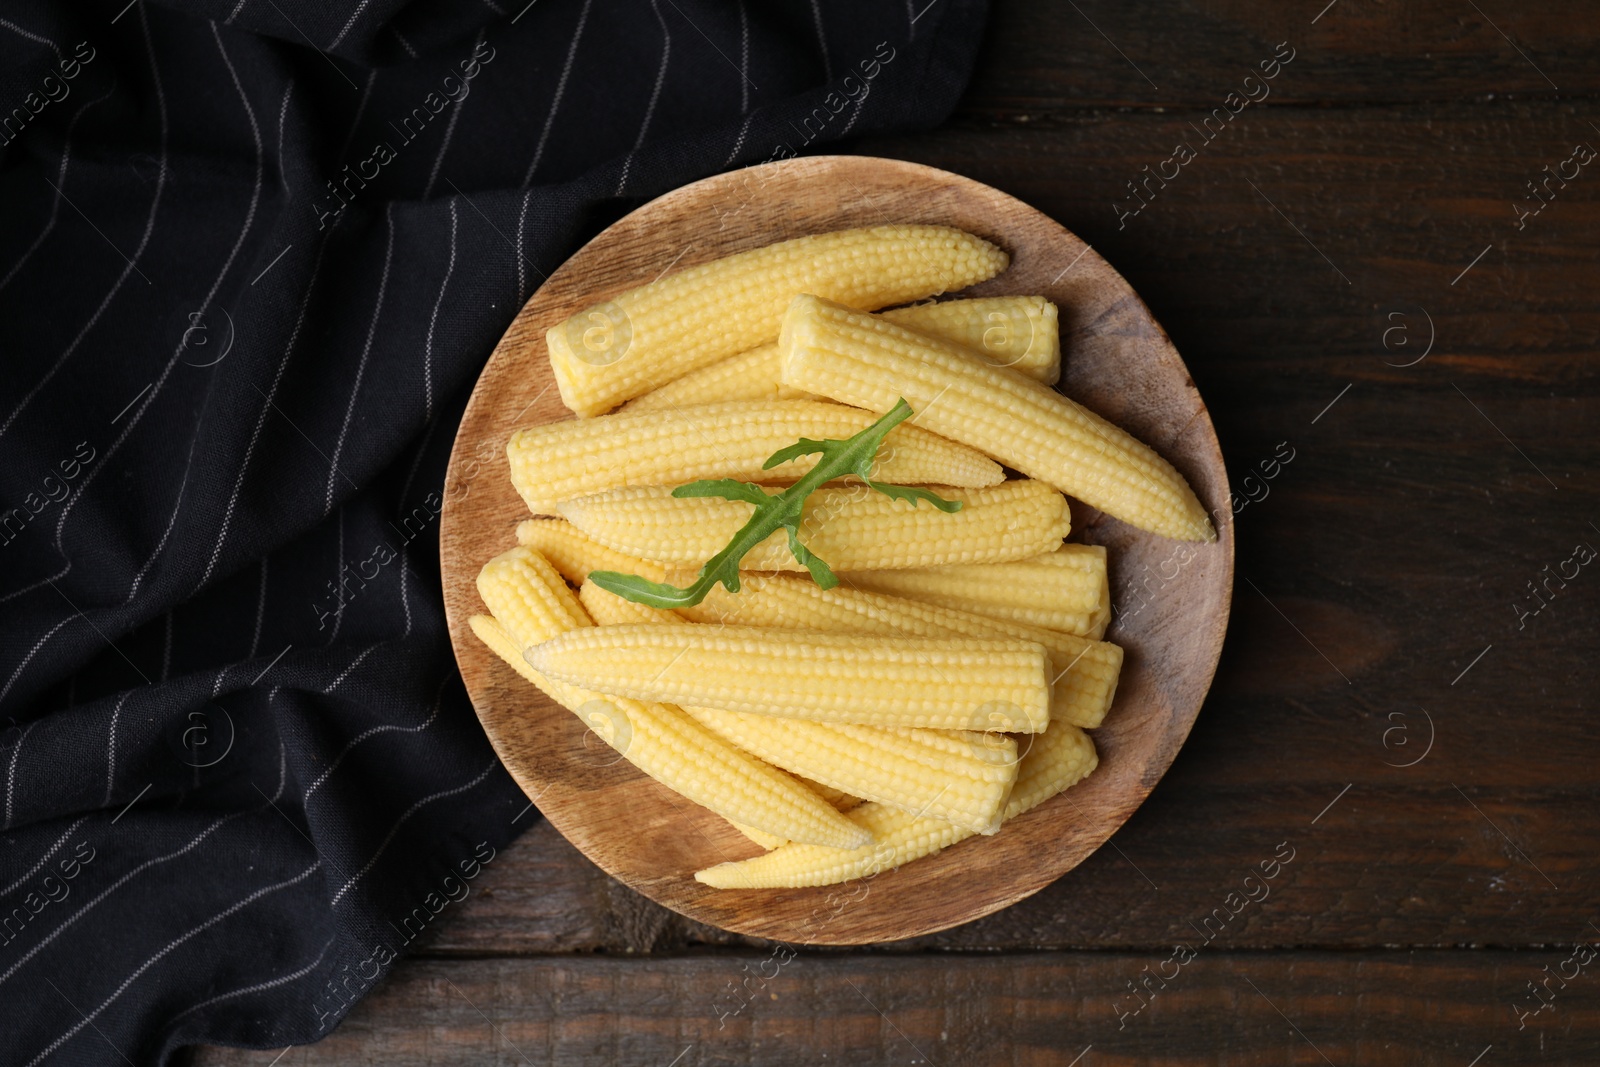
point(1117, 360)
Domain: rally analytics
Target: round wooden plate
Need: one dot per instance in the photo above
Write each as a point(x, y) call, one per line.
point(1171, 598)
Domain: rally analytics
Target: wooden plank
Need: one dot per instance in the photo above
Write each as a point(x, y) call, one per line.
point(1444, 875)
point(1377, 1009)
point(1040, 58)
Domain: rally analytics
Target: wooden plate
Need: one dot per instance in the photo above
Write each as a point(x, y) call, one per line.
point(1172, 599)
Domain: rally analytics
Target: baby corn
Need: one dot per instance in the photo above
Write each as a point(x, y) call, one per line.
point(851, 527)
point(1084, 672)
point(1019, 332)
point(751, 375)
point(577, 457)
point(1062, 590)
point(839, 800)
point(864, 360)
point(574, 554)
point(1059, 758)
point(532, 604)
point(963, 778)
point(934, 683)
point(646, 337)
point(608, 609)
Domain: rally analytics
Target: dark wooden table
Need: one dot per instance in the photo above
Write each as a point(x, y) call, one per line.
point(1344, 267)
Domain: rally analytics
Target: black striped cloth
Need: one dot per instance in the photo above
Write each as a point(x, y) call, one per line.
point(253, 255)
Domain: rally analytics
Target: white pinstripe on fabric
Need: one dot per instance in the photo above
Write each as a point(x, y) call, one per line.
point(373, 731)
point(338, 559)
point(40, 584)
point(416, 461)
point(655, 96)
point(348, 23)
point(405, 598)
point(88, 1017)
point(144, 239)
point(743, 130)
point(822, 41)
point(51, 851)
point(412, 810)
point(433, 320)
point(744, 60)
point(271, 983)
point(177, 353)
point(61, 183)
point(412, 52)
point(172, 520)
point(166, 645)
point(266, 409)
point(561, 89)
point(261, 611)
point(860, 103)
point(355, 123)
point(522, 222)
point(36, 38)
point(366, 349)
point(370, 649)
point(111, 745)
point(31, 653)
point(405, 490)
point(450, 128)
point(11, 776)
point(283, 112)
point(235, 12)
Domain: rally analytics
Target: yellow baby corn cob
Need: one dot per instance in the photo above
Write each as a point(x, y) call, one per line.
point(1059, 758)
point(837, 797)
point(1019, 332)
point(1084, 672)
point(648, 336)
point(577, 457)
point(963, 778)
point(575, 554)
point(864, 360)
point(760, 837)
point(1061, 590)
point(934, 683)
point(841, 801)
point(531, 604)
point(608, 609)
point(526, 595)
point(751, 375)
point(851, 527)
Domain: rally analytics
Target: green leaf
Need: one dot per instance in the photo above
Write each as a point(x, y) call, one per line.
point(773, 512)
point(727, 488)
point(906, 492)
point(804, 447)
point(643, 591)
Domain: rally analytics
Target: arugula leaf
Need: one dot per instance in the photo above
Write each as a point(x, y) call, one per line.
point(783, 510)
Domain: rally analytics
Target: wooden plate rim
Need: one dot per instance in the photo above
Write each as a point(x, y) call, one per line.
point(1203, 449)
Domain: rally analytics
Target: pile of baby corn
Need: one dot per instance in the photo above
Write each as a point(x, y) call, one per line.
point(945, 684)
